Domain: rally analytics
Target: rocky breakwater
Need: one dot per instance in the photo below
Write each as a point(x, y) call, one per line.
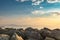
point(29, 34)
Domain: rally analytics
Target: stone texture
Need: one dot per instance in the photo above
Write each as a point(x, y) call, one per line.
point(4, 37)
point(16, 37)
point(48, 38)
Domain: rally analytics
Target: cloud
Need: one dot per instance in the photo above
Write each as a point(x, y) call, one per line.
point(58, 0)
point(53, 1)
point(55, 13)
point(17, 0)
point(49, 13)
point(33, 0)
point(36, 2)
point(38, 12)
point(41, 7)
point(22, 0)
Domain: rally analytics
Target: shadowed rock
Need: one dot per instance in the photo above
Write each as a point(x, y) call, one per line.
point(16, 37)
point(56, 33)
point(4, 37)
point(48, 38)
point(49, 33)
point(32, 34)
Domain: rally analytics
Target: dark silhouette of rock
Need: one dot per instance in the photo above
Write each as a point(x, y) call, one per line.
point(45, 32)
point(49, 33)
point(32, 34)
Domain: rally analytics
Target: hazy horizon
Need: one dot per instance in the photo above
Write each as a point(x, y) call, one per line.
point(39, 13)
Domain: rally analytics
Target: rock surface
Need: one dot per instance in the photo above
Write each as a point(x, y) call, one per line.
point(29, 34)
point(48, 38)
point(4, 37)
point(16, 37)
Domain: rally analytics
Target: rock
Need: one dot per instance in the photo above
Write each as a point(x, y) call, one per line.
point(56, 34)
point(16, 37)
point(31, 39)
point(31, 34)
point(48, 38)
point(45, 33)
point(4, 37)
point(19, 37)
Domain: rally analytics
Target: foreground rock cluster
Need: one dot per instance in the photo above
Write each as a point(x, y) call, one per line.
point(29, 34)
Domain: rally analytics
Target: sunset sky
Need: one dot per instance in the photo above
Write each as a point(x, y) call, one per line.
point(41, 13)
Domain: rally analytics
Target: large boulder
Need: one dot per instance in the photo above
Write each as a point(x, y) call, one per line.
point(4, 37)
point(45, 32)
point(19, 37)
point(21, 33)
point(32, 34)
point(56, 33)
point(50, 33)
point(16, 37)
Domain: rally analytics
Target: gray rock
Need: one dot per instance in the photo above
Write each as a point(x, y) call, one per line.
point(56, 34)
point(31, 39)
point(4, 37)
point(48, 38)
point(16, 37)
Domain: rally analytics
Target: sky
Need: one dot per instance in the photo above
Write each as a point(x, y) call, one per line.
point(41, 13)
